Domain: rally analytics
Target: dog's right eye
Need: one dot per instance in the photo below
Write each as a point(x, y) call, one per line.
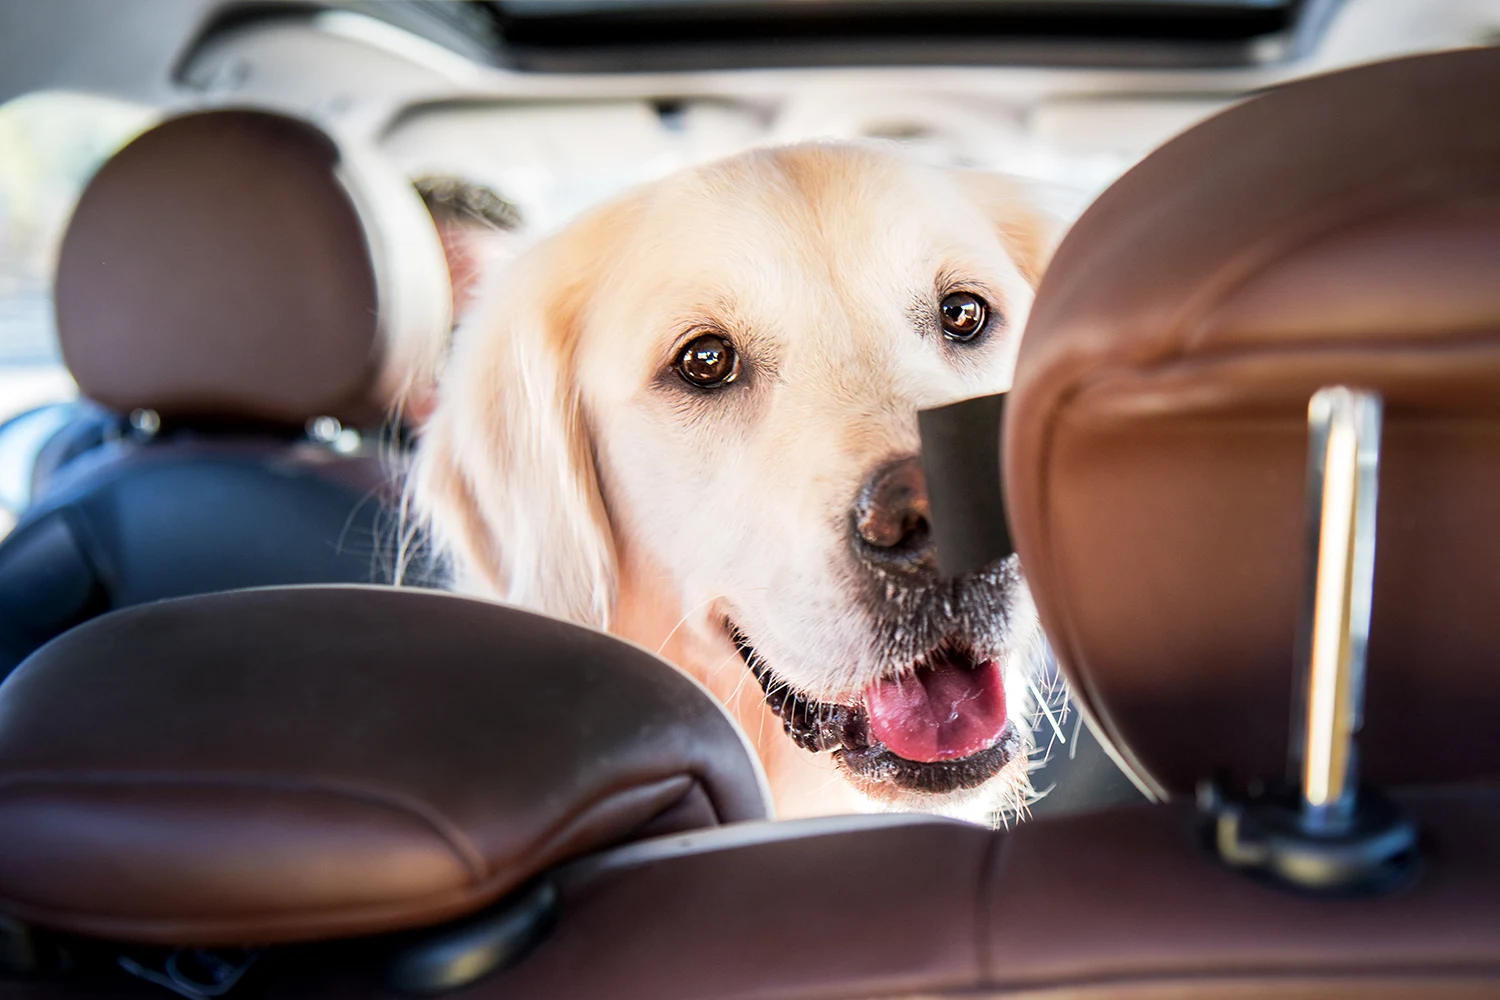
point(709, 361)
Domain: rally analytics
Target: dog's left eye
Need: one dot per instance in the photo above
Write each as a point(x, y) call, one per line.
point(709, 361)
point(963, 315)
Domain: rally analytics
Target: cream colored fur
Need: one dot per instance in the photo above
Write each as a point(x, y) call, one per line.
point(567, 468)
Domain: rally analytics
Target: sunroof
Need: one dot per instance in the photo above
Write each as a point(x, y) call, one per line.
point(645, 35)
point(558, 7)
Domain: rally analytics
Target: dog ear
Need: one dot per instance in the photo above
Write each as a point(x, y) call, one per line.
point(1028, 232)
point(504, 476)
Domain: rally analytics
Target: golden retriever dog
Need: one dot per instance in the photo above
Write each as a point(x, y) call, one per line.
point(690, 418)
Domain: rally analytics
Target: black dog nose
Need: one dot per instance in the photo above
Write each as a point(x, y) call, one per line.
point(891, 517)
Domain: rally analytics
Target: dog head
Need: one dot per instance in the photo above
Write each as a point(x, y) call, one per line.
point(708, 391)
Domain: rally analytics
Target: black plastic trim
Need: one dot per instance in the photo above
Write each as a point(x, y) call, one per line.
point(965, 490)
point(938, 32)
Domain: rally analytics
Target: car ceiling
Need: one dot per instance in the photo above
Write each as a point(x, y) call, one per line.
point(380, 69)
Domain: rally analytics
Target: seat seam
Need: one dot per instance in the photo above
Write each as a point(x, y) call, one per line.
point(990, 864)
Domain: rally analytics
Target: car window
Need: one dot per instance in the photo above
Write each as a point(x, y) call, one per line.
point(50, 144)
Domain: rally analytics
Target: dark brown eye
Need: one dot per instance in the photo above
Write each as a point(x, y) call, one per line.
point(709, 361)
point(963, 315)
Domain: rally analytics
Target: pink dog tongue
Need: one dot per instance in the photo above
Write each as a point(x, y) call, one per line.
point(947, 710)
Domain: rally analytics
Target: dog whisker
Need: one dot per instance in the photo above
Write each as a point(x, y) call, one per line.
point(739, 685)
point(684, 619)
point(1041, 704)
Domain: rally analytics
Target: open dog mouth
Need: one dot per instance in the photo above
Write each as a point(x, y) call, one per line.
point(937, 728)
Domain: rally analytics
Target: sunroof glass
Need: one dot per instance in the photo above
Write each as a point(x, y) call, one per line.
point(532, 7)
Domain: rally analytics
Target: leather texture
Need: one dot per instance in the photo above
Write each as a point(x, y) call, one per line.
point(279, 765)
point(223, 264)
point(1339, 230)
point(1124, 898)
point(1121, 904)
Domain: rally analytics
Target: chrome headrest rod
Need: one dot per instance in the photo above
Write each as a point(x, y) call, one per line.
point(1321, 830)
point(1343, 478)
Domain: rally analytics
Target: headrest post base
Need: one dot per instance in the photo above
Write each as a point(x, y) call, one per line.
point(1268, 835)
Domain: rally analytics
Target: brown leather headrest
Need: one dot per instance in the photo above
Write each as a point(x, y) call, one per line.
point(292, 764)
point(1340, 230)
point(238, 263)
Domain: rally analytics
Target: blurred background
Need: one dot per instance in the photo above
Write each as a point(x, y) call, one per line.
point(555, 104)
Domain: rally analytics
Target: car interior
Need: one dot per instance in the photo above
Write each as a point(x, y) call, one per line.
point(244, 326)
point(249, 748)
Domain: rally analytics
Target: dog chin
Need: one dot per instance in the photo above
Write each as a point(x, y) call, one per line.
point(995, 803)
point(999, 793)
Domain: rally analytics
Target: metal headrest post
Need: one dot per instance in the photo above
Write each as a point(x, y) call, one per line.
point(1321, 830)
point(1343, 477)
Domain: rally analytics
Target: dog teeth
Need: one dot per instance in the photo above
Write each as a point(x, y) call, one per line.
point(813, 727)
point(829, 735)
point(796, 712)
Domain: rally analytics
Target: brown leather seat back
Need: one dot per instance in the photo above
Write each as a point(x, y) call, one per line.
point(281, 765)
point(1338, 230)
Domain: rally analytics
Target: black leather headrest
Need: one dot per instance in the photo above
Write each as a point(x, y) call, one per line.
point(293, 764)
point(239, 263)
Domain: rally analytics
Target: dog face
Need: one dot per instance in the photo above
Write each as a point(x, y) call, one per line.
point(703, 399)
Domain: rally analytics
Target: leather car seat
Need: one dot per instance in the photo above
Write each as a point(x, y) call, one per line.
point(268, 767)
point(1341, 229)
point(229, 280)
